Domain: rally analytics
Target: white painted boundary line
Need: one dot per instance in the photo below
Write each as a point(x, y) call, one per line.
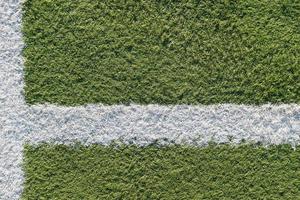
point(141, 125)
point(11, 175)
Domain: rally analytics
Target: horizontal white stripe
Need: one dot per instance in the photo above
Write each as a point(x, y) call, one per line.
point(135, 124)
point(142, 125)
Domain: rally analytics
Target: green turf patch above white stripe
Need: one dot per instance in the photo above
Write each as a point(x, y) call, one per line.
point(174, 172)
point(162, 52)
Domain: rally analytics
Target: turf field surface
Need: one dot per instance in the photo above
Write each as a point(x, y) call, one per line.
point(162, 52)
point(173, 172)
point(22, 122)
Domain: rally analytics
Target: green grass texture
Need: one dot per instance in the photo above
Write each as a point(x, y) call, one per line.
point(162, 52)
point(172, 172)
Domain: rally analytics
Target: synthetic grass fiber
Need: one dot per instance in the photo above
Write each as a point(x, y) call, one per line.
point(173, 172)
point(162, 52)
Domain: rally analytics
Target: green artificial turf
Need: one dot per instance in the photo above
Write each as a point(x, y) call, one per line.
point(173, 172)
point(163, 52)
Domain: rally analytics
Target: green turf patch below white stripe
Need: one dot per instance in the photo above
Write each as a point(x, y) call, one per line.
point(171, 172)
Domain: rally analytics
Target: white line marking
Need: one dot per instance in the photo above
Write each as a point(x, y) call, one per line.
point(135, 124)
